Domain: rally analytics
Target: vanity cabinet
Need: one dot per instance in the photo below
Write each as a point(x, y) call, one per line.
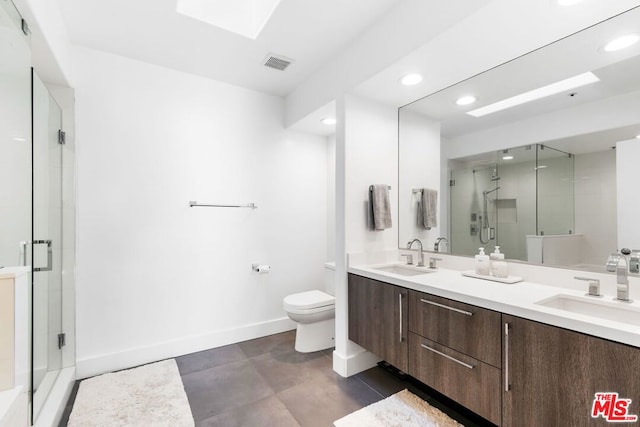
point(551, 375)
point(378, 319)
point(455, 348)
point(465, 328)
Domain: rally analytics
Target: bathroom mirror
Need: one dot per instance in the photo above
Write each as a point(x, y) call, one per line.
point(541, 163)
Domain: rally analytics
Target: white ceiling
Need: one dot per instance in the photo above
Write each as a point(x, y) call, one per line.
point(601, 107)
point(310, 32)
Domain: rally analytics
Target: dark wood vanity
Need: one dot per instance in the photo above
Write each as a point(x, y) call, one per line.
point(509, 370)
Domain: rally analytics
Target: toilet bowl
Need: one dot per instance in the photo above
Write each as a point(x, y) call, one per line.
point(314, 312)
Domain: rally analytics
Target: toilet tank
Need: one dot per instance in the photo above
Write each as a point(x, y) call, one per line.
point(329, 278)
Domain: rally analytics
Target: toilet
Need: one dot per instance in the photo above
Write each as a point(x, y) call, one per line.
point(314, 312)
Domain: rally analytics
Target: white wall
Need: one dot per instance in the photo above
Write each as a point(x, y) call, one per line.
point(371, 158)
point(420, 165)
point(331, 197)
point(156, 278)
point(595, 205)
point(627, 154)
point(366, 153)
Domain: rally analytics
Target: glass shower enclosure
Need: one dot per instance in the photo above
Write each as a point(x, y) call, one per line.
point(503, 197)
point(47, 332)
point(36, 199)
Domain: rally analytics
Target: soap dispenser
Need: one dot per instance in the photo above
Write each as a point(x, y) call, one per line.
point(482, 263)
point(499, 267)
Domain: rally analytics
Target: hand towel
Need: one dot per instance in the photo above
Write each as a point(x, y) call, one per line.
point(381, 206)
point(429, 207)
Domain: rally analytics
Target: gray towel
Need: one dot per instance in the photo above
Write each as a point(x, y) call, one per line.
point(429, 208)
point(381, 206)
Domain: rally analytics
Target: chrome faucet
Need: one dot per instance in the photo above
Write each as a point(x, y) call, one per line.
point(436, 246)
point(618, 263)
point(420, 254)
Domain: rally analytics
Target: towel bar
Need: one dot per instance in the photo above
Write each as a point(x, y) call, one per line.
point(193, 204)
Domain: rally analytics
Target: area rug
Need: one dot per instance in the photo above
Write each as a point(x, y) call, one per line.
point(150, 395)
point(403, 409)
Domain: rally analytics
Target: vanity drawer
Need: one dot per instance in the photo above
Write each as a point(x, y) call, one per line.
point(466, 328)
point(470, 382)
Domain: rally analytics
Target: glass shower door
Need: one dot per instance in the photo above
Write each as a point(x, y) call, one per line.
point(46, 244)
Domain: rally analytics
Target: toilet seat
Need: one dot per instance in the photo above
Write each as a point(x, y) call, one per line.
point(309, 302)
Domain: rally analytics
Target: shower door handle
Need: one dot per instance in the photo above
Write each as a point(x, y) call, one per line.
point(23, 253)
point(49, 266)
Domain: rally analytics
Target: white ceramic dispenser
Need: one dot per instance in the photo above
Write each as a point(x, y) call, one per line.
point(482, 263)
point(499, 267)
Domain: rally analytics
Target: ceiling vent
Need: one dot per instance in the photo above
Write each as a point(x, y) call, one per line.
point(277, 62)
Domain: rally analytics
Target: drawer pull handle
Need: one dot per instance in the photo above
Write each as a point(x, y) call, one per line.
point(457, 310)
point(466, 365)
point(507, 386)
point(400, 306)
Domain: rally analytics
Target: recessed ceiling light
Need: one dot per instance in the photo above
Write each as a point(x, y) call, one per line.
point(466, 100)
point(568, 2)
point(638, 136)
point(507, 157)
point(329, 121)
point(622, 42)
point(542, 92)
point(411, 79)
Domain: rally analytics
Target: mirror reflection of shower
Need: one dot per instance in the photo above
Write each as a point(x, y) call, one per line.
point(487, 232)
point(508, 197)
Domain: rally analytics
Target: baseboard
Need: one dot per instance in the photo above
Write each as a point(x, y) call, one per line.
point(91, 366)
point(347, 366)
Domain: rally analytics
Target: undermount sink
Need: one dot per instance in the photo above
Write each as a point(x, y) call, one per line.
point(602, 307)
point(403, 271)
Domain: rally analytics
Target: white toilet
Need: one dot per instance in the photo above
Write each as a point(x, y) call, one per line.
point(314, 312)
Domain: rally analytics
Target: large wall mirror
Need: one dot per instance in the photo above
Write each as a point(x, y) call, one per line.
point(540, 155)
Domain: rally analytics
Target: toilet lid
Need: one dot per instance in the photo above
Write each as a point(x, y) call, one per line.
point(308, 300)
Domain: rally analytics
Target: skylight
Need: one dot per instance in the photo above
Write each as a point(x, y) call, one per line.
point(542, 92)
point(244, 17)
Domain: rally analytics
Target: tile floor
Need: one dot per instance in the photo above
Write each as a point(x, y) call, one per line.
point(265, 382)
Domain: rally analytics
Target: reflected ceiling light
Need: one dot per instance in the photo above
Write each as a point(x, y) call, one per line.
point(621, 42)
point(541, 167)
point(466, 100)
point(329, 121)
point(532, 95)
point(411, 79)
point(19, 139)
point(568, 2)
point(638, 136)
point(507, 157)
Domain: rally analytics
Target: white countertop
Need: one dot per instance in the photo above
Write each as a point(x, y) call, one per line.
point(516, 299)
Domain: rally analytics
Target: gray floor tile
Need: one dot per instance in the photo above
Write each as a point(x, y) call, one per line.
point(330, 397)
point(290, 368)
point(206, 359)
point(382, 381)
point(277, 343)
point(224, 387)
point(268, 412)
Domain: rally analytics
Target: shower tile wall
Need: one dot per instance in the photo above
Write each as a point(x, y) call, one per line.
point(517, 183)
point(595, 205)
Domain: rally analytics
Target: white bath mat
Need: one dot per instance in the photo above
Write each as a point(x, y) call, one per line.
point(150, 395)
point(403, 409)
